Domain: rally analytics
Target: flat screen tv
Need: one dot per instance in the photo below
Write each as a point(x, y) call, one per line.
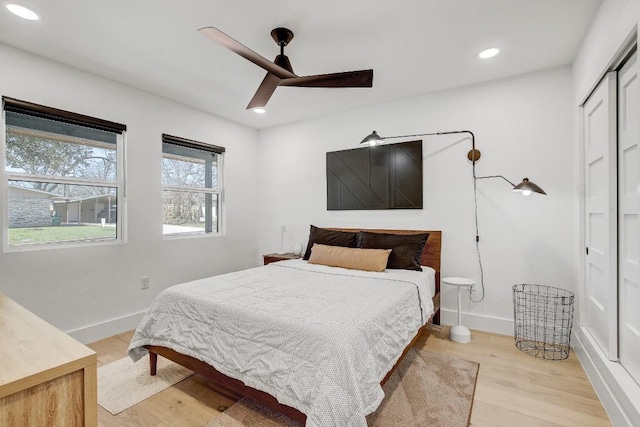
point(378, 177)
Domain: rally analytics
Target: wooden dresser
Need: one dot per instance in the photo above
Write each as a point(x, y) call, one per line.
point(46, 377)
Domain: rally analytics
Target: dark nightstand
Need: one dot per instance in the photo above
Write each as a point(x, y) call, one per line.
point(278, 257)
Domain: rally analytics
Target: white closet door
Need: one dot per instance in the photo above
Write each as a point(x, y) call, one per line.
point(599, 130)
point(629, 231)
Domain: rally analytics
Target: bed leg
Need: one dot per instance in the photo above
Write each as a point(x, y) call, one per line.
point(153, 361)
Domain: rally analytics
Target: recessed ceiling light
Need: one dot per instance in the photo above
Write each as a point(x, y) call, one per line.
point(23, 12)
point(489, 53)
point(259, 110)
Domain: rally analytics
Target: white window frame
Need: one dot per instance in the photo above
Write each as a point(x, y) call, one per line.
point(219, 191)
point(119, 184)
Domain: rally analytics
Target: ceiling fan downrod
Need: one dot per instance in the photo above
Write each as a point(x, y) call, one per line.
point(282, 37)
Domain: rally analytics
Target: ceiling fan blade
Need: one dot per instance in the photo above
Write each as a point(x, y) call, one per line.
point(264, 92)
point(362, 78)
point(237, 47)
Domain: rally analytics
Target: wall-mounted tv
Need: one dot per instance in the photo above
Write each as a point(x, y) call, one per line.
point(378, 177)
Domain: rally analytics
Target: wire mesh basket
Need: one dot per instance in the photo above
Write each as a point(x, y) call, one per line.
point(543, 316)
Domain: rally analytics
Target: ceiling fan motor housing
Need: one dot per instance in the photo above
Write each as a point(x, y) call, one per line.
point(283, 61)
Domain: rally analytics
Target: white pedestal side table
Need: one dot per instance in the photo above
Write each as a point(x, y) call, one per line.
point(458, 332)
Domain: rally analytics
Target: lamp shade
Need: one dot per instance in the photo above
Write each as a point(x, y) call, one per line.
point(372, 139)
point(527, 187)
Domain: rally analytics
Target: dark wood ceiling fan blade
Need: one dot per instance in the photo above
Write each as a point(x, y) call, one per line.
point(237, 47)
point(361, 78)
point(264, 92)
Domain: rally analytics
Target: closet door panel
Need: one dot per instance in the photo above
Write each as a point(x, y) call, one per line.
point(628, 216)
point(599, 130)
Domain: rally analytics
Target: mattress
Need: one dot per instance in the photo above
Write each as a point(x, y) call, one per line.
point(317, 338)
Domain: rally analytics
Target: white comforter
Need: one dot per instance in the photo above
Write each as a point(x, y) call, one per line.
point(319, 339)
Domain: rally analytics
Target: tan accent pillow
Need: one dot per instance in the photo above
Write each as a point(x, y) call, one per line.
point(354, 258)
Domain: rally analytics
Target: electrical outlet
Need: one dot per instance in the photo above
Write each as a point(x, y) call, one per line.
point(144, 282)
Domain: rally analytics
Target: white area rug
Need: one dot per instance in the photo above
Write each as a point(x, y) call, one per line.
point(123, 383)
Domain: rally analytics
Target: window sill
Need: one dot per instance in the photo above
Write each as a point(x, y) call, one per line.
point(66, 245)
point(197, 235)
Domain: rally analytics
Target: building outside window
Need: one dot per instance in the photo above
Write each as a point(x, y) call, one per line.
point(192, 186)
point(63, 177)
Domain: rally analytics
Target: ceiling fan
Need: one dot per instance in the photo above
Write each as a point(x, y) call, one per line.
point(280, 72)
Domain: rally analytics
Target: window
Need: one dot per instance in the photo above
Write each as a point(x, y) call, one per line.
point(63, 176)
point(191, 184)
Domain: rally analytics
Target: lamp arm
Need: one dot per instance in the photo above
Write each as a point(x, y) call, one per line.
point(473, 137)
point(495, 176)
point(429, 134)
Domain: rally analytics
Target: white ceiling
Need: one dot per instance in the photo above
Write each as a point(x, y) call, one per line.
point(413, 46)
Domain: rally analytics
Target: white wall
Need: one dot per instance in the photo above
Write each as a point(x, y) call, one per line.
point(524, 126)
point(94, 292)
point(613, 27)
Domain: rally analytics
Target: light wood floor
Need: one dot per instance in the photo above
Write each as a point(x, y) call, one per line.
point(513, 389)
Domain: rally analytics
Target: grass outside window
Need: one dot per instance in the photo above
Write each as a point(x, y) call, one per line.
point(60, 234)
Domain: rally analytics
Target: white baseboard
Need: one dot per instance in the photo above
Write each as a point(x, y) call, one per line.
point(106, 329)
point(619, 394)
point(478, 322)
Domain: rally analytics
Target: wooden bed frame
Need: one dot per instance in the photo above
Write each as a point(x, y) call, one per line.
point(235, 388)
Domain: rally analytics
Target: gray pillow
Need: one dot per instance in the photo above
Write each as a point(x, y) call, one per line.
point(406, 249)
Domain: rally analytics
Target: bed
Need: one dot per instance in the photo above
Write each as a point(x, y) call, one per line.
point(224, 328)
